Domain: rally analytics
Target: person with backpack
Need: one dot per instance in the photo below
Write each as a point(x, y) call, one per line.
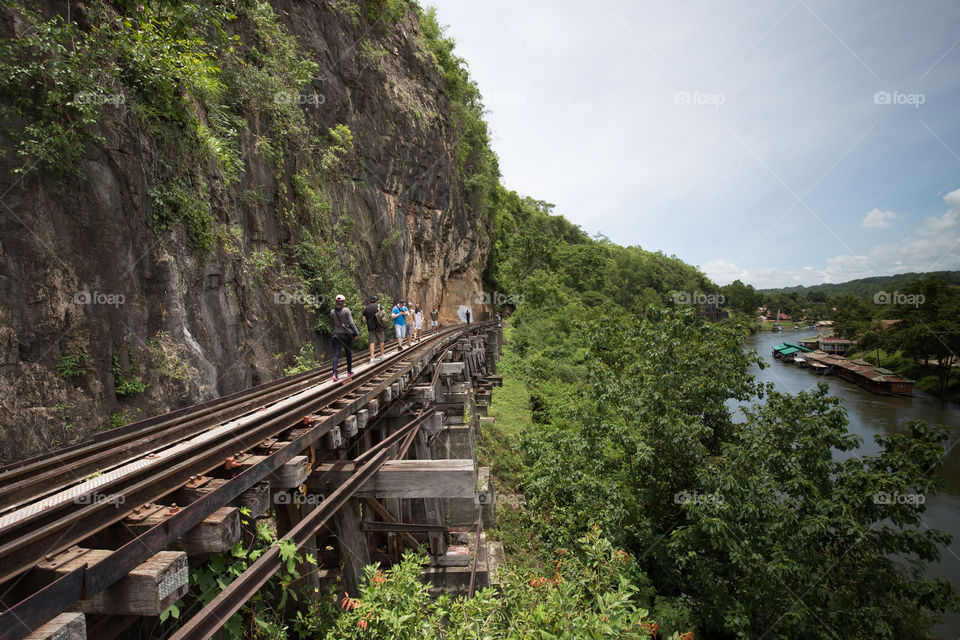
point(344, 333)
point(434, 320)
point(376, 319)
point(399, 315)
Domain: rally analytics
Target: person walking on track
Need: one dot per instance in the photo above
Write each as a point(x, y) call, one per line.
point(376, 320)
point(344, 333)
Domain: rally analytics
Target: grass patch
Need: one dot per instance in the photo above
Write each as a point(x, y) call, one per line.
point(500, 448)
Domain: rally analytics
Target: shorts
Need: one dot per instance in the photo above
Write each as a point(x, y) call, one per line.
point(400, 330)
point(433, 323)
point(376, 336)
point(419, 325)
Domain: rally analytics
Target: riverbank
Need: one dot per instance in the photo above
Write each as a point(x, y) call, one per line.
point(869, 415)
point(924, 375)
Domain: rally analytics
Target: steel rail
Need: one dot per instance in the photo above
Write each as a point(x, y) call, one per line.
point(125, 559)
point(52, 472)
point(60, 468)
point(216, 613)
point(50, 530)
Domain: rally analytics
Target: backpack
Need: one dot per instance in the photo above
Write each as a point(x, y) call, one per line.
point(381, 317)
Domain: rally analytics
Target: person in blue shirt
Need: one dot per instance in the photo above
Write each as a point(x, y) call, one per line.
point(399, 315)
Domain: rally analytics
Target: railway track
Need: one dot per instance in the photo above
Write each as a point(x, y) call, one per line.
point(49, 503)
point(32, 478)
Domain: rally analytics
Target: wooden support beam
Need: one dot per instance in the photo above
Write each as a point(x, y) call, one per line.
point(433, 425)
point(373, 407)
point(349, 427)
point(451, 368)
point(382, 511)
point(363, 416)
point(403, 479)
point(290, 475)
point(423, 393)
point(352, 543)
point(66, 626)
point(256, 498)
point(146, 591)
point(215, 534)
point(334, 439)
point(432, 507)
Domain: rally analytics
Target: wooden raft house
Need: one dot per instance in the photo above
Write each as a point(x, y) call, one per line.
point(860, 372)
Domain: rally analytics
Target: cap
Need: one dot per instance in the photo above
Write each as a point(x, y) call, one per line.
point(340, 298)
point(373, 298)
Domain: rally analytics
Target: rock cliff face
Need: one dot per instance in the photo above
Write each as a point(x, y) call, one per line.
point(97, 300)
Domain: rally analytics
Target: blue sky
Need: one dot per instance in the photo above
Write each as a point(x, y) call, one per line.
point(782, 143)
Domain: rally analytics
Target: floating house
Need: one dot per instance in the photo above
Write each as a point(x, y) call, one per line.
point(786, 352)
point(860, 372)
point(833, 344)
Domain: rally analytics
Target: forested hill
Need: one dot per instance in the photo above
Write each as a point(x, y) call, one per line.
point(541, 256)
point(867, 287)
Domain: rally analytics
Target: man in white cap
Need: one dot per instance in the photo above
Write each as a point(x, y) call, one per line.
point(344, 333)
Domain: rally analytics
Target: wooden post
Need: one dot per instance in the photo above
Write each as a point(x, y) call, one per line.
point(66, 626)
point(433, 510)
point(146, 591)
point(352, 544)
point(291, 509)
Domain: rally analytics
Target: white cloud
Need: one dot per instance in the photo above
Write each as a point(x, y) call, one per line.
point(877, 219)
point(724, 272)
point(934, 245)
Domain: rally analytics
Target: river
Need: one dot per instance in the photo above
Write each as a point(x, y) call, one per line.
point(870, 414)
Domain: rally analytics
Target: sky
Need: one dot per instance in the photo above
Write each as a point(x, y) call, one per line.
point(779, 143)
